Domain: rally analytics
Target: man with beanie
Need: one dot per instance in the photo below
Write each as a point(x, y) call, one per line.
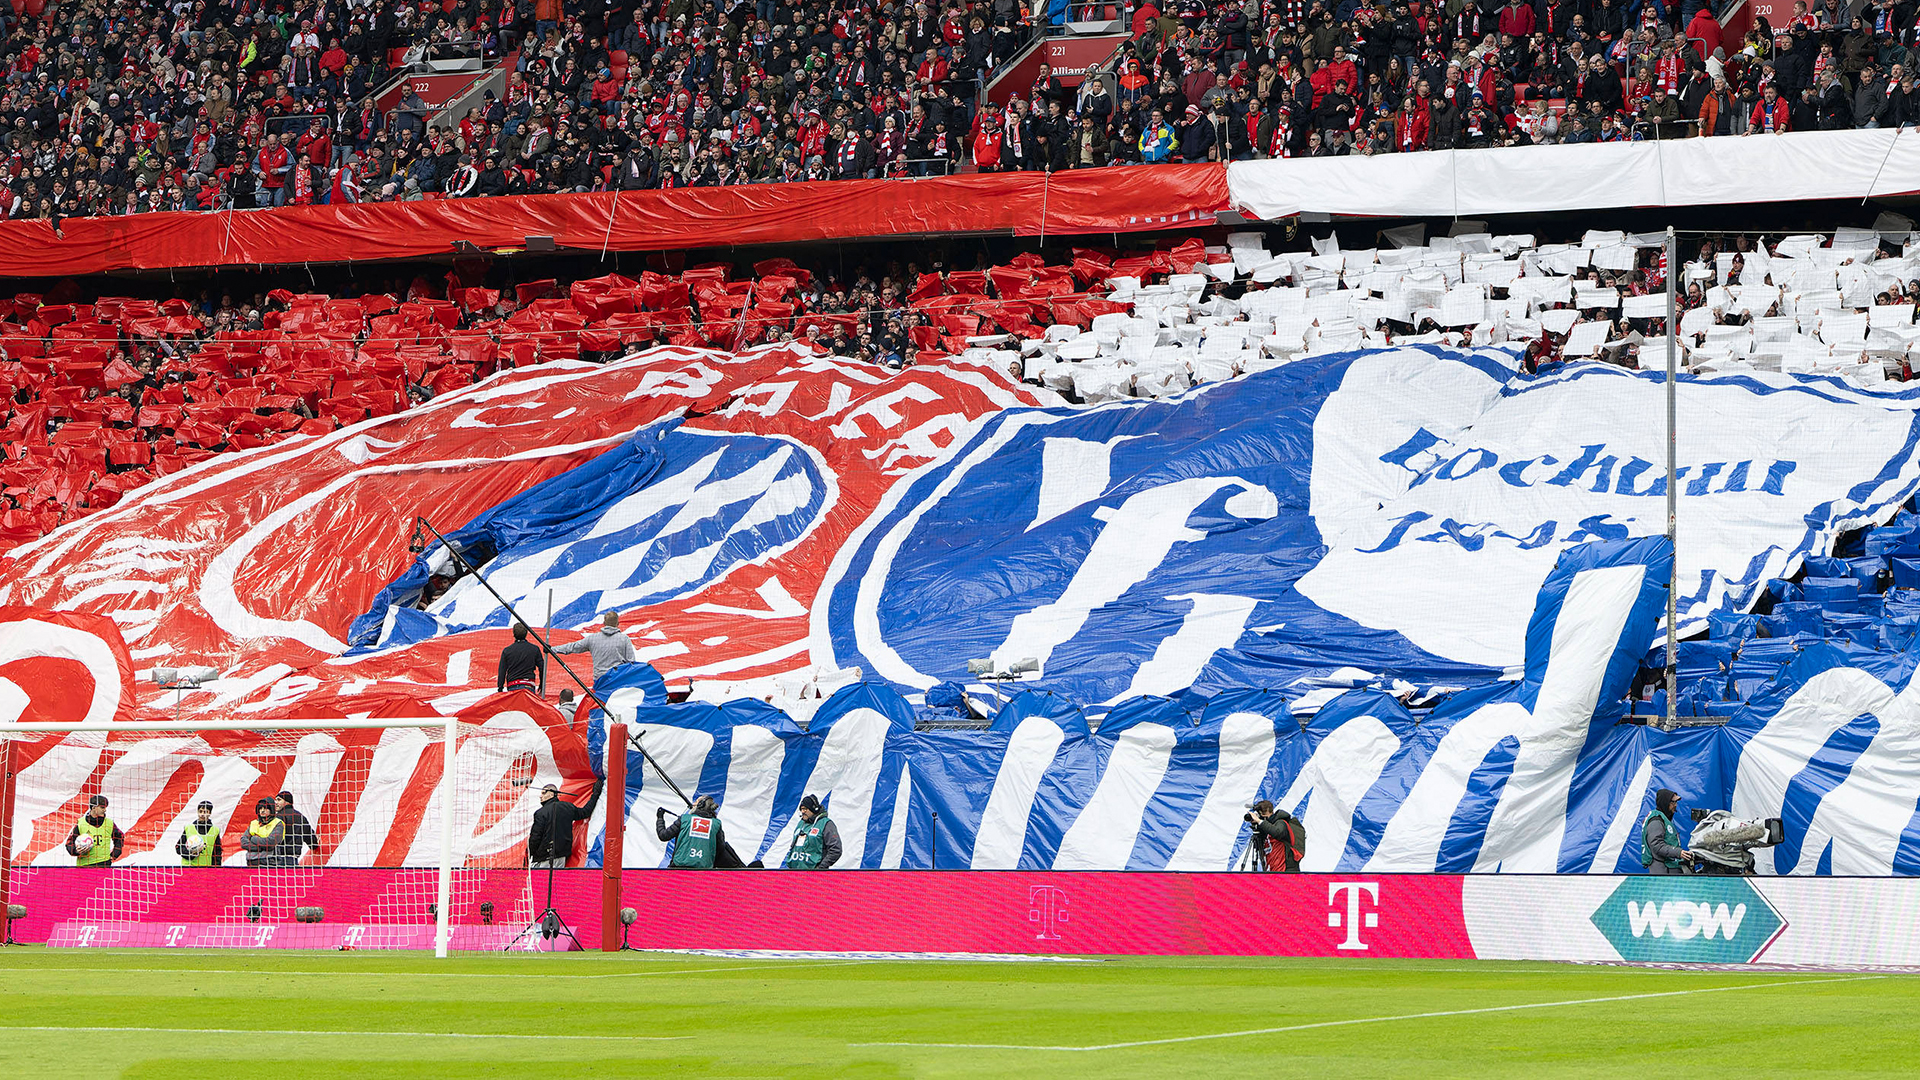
point(1660, 850)
point(299, 835)
point(608, 646)
point(95, 839)
point(816, 841)
point(522, 665)
point(199, 843)
point(550, 841)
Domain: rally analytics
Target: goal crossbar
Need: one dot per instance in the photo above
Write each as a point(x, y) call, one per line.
point(443, 931)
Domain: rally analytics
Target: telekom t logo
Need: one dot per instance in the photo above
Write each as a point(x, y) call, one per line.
point(1046, 905)
point(354, 934)
point(86, 936)
point(1353, 918)
point(174, 934)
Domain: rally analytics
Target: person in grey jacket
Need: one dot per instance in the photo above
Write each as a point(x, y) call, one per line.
point(608, 646)
point(1660, 850)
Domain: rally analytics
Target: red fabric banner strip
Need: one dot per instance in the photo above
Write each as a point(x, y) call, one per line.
point(1025, 204)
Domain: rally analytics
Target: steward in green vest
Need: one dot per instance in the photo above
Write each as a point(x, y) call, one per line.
point(1660, 850)
point(102, 838)
point(199, 843)
point(696, 836)
point(816, 841)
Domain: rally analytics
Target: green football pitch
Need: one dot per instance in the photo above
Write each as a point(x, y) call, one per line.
point(291, 1015)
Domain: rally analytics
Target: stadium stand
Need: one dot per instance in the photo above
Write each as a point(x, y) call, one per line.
point(118, 109)
point(111, 393)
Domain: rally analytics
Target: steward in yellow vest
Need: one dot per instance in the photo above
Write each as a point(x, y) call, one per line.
point(95, 839)
point(199, 843)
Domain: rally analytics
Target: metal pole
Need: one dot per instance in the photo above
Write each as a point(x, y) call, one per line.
point(546, 646)
point(442, 928)
point(1673, 491)
point(613, 846)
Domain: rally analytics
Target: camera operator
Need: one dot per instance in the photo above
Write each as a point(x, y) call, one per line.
point(1285, 836)
point(696, 836)
point(550, 841)
point(1660, 850)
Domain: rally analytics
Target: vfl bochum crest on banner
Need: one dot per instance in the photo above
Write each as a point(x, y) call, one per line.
point(1391, 511)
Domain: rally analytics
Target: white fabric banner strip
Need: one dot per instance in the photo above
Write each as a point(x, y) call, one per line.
point(1588, 176)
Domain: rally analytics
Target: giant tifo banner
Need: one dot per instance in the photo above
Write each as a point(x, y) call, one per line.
point(1401, 593)
point(1831, 922)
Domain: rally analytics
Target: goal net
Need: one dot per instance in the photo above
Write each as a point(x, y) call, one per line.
point(213, 835)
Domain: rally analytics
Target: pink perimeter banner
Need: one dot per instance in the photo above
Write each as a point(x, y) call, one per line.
point(867, 910)
point(1804, 921)
point(1010, 911)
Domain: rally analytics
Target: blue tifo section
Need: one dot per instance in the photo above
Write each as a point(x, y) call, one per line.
point(1303, 585)
point(616, 533)
point(1390, 511)
point(1534, 774)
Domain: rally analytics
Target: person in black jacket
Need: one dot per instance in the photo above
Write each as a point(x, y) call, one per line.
point(522, 665)
point(299, 834)
point(550, 841)
point(1196, 137)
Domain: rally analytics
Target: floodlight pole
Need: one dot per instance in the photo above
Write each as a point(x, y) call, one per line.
point(1673, 487)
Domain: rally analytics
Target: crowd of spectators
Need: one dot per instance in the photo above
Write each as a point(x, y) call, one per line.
point(141, 105)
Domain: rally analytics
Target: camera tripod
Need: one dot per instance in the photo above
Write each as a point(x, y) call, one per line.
point(548, 923)
point(1253, 857)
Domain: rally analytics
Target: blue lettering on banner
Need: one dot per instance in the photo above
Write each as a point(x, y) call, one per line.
point(1593, 470)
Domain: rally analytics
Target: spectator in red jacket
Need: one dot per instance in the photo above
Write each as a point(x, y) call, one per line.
point(1772, 114)
point(274, 164)
point(1517, 19)
point(1703, 33)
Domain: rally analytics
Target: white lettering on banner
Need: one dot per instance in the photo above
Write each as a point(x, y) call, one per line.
point(1046, 907)
point(265, 935)
point(1134, 541)
point(86, 936)
point(1353, 920)
point(174, 934)
point(1684, 920)
point(354, 934)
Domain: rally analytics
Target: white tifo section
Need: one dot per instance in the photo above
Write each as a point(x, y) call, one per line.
point(1862, 817)
point(1521, 180)
point(845, 775)
point(1102, 837)
point(1514, 476)
point(1002, 834)
point(1830, 922)
point(753, 772)
point(1246, 747)
point(22, 639)
point(1529, 821)
point(1343, 768)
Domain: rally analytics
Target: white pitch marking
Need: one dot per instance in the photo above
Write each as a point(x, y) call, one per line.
point(1365, 1020)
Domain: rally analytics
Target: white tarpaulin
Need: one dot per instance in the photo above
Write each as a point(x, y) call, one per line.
point(1586, 176)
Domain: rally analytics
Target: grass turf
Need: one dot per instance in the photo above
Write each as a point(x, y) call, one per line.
point(294, 1015)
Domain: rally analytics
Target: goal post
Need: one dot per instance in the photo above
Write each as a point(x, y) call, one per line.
point(429, 816)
